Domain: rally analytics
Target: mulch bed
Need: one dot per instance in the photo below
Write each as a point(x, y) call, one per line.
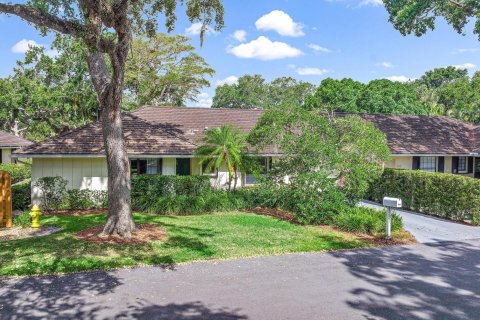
point(276, 213)
point(75, 212)
point(144, 234)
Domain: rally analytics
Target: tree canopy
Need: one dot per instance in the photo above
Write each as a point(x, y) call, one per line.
point(253, 91)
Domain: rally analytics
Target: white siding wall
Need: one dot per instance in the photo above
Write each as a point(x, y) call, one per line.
point(85, 173)
point(400, 163)
point(6, 156)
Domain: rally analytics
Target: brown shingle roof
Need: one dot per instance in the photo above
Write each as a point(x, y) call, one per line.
point(10, 140)
point(177, 131)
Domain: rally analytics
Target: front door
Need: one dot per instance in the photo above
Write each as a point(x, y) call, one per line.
point(183, 166)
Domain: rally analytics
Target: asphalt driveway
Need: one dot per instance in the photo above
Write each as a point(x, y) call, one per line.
point(428, 281)
point(427, 229)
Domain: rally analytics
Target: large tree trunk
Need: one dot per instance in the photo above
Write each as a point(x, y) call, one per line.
point(119, 196)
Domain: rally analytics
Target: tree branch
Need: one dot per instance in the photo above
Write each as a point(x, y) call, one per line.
point(42, 19)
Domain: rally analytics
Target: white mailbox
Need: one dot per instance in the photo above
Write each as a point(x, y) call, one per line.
point(392, 202)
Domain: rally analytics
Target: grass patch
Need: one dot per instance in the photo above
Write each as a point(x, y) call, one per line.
point(188, 238)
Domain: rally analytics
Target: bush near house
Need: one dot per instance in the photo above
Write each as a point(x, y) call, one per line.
point(365, 220)
point(21, 193)
point(445, 195)
point(18, 172)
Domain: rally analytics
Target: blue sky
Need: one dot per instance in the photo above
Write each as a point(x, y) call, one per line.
point(306, 39)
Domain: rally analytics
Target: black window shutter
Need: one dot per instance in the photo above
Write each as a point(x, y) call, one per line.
point(470, 164)
point(441, 164)
point(454, 164)
point(416, 163)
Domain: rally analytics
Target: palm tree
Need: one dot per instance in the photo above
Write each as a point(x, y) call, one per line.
point(223, 146)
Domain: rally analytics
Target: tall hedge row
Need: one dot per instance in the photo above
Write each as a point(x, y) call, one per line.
point(446, 195)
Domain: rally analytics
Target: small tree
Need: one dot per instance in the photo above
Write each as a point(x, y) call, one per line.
point(223, 146)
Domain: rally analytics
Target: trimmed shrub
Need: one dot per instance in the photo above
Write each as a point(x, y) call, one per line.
point(23, 220)
point(18, 172)
point(365, 220)
point(21, 195)
point(85, 199)
point(446, 195)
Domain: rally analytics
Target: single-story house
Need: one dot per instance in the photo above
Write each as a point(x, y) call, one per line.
point(9, 143)
point(162, 140)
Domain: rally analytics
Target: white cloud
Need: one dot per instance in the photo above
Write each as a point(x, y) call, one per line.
point(466, 65)
point(309, 71)
point(204, 101)
point(399, 78)
point(227, 80)
point(280, 22)
point(385, 64)
point(318, 49)
point(23, 45)
point(465, 50)
point(264, 49)
point(196, 28)
point(374, 3)
point(240, 35)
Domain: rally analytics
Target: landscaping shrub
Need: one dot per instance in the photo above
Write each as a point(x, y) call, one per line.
point(22, 220)
point(21, 195)
point(18, 172)
point(54, 192)
point(85, 199)
point(446, 195)
point(365, 220)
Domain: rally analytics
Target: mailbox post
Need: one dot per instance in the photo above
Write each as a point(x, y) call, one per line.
point(390, 203)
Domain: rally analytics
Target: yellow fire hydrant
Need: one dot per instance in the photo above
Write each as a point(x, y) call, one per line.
point(35, 215)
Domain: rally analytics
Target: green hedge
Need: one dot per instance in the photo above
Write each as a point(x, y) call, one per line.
point(21, 195)
point(446, 195)
point(18, 172)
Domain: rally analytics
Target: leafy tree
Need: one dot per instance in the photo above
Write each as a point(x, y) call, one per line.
point(418, 16)
point(164, 70)
point(385, 96)
point(48, 95)
point(346, 151)
point(336, 95)
point(248, 93)
point(223, 147)
point(440, 76)
point(106, 28)
point(252, 91)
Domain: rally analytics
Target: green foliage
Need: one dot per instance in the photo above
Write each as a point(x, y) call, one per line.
point(21, 195)
point(345, 150)
point(85, 199)
point(53, 190)
point(164, 70)
point(365, 220)
point(446, 195)
point(418, 16)
point(438, 77)
point(336, 95)
point(18, 172)
point(23, 220)
point(252, 91)
point(223, 147)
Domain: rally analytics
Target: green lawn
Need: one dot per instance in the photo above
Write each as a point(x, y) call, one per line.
point(188, 238)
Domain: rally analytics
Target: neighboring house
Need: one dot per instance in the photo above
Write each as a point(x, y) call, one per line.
point(162, 140)
point(9, 143)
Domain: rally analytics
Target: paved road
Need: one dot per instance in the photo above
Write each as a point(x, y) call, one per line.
point(428, 229)
point(428, 281)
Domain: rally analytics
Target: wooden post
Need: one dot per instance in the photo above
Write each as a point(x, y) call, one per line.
point(5, 201)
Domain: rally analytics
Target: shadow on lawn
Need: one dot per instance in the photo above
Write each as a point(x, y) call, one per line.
point(440, 283)
point(93, 295)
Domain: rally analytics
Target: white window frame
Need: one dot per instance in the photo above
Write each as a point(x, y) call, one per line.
point(429, 168)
